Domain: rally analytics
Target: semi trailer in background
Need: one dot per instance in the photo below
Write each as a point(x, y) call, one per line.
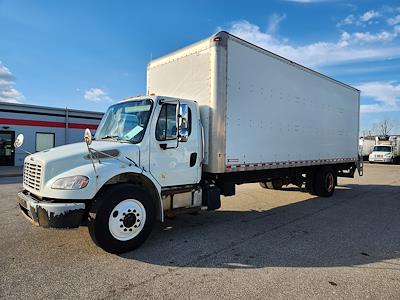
point(217, 113)
point(366, 145)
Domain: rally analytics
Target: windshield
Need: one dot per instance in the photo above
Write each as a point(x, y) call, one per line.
point(125, 121)
point(382, 149)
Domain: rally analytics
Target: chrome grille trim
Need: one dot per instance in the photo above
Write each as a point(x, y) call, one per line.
point(32, 176)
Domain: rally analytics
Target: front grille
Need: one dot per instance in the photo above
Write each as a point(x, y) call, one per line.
point(379, 155)
point(32, 175)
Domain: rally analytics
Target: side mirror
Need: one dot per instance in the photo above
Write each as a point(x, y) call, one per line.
point(183, 135)
point(183, 122)
point(88, 136)
point(19, 141)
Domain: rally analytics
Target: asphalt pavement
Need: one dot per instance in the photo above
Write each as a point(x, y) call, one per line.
point(261, 244)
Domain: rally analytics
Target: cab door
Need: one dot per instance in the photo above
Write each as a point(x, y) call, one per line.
point(174, 162)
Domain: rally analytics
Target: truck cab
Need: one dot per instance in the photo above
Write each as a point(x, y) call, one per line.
point(382, 153)
point(149, 148)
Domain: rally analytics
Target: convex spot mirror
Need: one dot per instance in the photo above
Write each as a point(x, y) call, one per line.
point(183, 122)
point(88, 136)
point(19, 140)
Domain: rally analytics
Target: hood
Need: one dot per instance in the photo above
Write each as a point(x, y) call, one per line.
point(380, 153)
point(59, 159)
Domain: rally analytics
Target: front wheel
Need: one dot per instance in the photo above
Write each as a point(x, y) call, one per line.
point(124, 215)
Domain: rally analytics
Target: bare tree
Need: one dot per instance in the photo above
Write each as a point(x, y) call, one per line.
point(384, 127)
point(367, 133)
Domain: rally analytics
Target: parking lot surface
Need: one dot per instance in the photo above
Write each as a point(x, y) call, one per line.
point(260, 244)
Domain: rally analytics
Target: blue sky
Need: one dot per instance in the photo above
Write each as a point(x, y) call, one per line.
point(87, 54)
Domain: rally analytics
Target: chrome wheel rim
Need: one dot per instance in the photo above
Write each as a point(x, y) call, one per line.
point(127, 219)
point(330, 182)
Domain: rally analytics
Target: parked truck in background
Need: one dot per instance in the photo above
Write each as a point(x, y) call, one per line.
point(386, 150)
point(366, 145)
point(217, 113)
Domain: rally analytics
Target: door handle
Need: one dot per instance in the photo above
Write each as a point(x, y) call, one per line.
point(193, 159)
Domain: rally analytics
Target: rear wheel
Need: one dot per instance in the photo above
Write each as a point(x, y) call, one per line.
point(275, 184)
point(324, 182)
point(124, 217)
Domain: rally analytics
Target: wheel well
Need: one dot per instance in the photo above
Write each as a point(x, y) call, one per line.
point(142, 181)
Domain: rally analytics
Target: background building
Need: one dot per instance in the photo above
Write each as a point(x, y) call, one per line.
point(43, 128)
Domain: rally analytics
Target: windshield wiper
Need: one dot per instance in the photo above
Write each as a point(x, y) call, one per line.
point(115, 137)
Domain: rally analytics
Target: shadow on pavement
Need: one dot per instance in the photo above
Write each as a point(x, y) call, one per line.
point(359, 225)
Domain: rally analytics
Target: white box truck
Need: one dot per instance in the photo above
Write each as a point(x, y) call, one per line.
point(217, 113)
point(386, 150)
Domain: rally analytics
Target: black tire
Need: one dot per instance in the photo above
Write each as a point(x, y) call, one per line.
point(310, 183)
point(104, 205)
point(275, 184)
point(324, 182)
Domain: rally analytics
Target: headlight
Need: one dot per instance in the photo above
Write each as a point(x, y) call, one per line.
point(71, 183)
point(388, 155)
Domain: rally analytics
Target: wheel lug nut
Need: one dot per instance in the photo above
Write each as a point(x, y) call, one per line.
point(124, 229)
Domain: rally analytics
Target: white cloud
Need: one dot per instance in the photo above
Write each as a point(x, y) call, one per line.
point(274, 22)
point(96, 95)
point(7, 91)
point(350, 19)
point(394, 21)
point(363, 20)
point(369, 15)
point(348, 48)
point(367, 37)
point(386, 93)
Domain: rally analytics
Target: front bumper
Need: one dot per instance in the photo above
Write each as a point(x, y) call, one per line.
point(51, 214)
point(380, 159)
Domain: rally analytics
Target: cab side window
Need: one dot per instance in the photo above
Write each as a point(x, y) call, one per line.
point(166, 124)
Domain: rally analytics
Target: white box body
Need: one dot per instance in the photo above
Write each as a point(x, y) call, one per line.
point(258, 109)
